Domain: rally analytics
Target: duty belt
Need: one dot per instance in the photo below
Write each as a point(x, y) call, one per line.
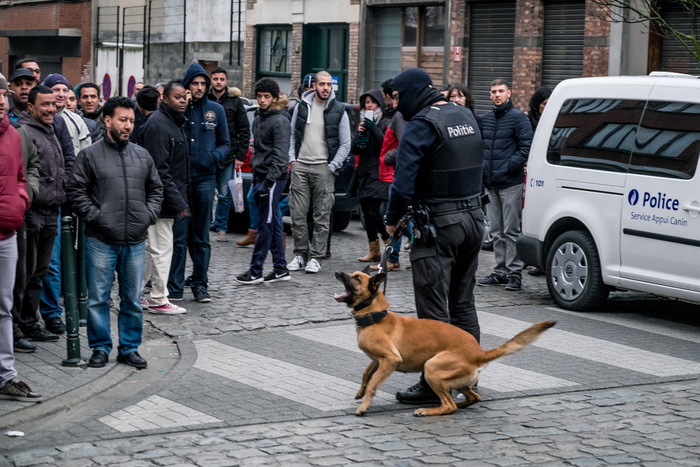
point(452, 206)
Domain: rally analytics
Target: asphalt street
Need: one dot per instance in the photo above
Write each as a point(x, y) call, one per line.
point(266, 375)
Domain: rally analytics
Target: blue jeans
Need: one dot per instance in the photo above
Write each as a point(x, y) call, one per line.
point(51, 291)
point(201, 202)
point(224, 201)
point(176, 279)
point(103, 260)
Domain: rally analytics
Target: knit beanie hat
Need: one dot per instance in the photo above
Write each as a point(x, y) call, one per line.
point(53, 79)
point(3, 83)
point(147, 98)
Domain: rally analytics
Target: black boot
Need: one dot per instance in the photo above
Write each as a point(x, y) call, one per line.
point(420, 393)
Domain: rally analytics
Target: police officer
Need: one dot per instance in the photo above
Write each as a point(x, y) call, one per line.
point(438, 173)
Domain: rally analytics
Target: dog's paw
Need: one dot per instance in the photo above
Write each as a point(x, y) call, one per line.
point(360, 394)
point(420, 413)
point(360, 413)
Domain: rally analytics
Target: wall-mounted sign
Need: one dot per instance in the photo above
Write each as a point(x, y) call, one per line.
point(106, 86)
point(130, 86)
point(457, 53)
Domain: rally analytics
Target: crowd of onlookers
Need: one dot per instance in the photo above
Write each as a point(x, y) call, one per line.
point(142, 174)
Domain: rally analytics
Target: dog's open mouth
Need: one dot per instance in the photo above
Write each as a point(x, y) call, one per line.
point(342, 296)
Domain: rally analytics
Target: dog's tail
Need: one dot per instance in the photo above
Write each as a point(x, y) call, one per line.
point(520, 341)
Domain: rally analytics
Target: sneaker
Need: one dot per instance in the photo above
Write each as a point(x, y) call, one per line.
point(493, 279)
point(248, 278)
point(513, 282)
point(22, 345)
point(166, 309)
point(55, 325)
point(16, 390)
point(40, 335)
point(296, 264)
point(275, 276)
point(420, 393)
point(221, 236)
point(144, 303)
point(313, 266)
point(201, 295)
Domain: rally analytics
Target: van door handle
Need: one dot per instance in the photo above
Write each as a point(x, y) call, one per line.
point(688, 207)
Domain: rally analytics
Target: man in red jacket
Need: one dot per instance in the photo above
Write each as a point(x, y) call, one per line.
point(13, 203)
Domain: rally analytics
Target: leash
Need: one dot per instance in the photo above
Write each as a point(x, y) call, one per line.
point(389, 249)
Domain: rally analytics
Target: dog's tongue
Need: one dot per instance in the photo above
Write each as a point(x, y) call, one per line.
point(341, 297)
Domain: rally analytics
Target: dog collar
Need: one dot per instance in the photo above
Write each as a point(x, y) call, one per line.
point(364, 303)
point(371, 318)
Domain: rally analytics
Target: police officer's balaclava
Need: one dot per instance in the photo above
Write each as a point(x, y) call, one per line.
point(415, 90)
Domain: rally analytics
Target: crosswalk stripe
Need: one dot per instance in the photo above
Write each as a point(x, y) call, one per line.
point(293, 382)
point(591, 348)
point(498, 376)
point(652, 325)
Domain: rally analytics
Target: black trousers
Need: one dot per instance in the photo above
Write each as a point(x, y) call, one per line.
point(374, 218)
point(35, 241)
point(444, 270)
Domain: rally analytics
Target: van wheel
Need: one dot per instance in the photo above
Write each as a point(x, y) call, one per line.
point(573, 272)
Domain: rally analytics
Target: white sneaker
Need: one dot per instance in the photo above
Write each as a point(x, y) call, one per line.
point(167, 309)
point(296, 264)
point(312, 266)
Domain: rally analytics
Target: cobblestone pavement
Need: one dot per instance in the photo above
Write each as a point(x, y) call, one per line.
point(266, 375)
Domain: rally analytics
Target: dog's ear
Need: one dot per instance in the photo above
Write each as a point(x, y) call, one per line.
point(367, 270)
point(374, 281)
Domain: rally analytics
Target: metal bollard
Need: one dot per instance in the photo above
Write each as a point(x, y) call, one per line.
point(82, 275)
point(70, 292)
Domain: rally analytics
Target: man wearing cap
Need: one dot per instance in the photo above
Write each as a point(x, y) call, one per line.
point(14, 201)
point(439, 173)
point(80, 136)
point(21, 82)
point(41, 220)
point(146, 104)
point(239, 133)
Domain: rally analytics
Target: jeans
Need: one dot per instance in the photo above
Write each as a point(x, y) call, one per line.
point(176, 278)
point(8, 262)
point(504, 213)
point(270, 229)
point(224, 200)
point(51, 292)
point(103, 260)
point(201, 202)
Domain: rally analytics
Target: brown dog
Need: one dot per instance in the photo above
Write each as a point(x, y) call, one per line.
point(450, 357)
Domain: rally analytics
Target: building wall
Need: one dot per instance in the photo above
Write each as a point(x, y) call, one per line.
point(297, 13)
point(50, 20)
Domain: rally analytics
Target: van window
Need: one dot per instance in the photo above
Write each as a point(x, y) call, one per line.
point(597, 134)
point(668, 140)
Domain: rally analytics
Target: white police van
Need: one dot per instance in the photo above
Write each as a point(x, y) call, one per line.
point(613, 191)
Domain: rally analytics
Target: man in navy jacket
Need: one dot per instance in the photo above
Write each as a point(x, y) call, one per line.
point(209, 143)
point(507, 137)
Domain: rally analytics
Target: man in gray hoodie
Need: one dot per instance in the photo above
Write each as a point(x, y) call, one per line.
point(319, 145)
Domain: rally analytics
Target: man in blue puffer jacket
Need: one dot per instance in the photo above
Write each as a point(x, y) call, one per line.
point(507, 135)
point(207, 134)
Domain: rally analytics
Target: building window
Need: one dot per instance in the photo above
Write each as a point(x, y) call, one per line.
point(424, 25)
point(274, 51)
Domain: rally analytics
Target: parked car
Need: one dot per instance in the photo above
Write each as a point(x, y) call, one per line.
point(344, 206)
point(612, 199)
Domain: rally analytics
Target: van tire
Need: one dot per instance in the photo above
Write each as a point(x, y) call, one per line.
point(574, 275)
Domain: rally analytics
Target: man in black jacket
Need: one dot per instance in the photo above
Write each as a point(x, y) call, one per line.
point(239, 133)
point(163, 136)
point(270, 151)
point(116, 191)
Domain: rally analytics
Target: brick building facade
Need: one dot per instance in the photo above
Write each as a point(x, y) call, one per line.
point(57, 34)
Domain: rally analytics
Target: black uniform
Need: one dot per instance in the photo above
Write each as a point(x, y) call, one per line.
point(439, 173)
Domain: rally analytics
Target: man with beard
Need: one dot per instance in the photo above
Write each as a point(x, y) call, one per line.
point(209, 143)
point(89, 101)
point(163, 136)
point(239, 132)
point(115, 189)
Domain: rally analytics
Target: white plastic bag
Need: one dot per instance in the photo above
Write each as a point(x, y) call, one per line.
point(236, 187)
